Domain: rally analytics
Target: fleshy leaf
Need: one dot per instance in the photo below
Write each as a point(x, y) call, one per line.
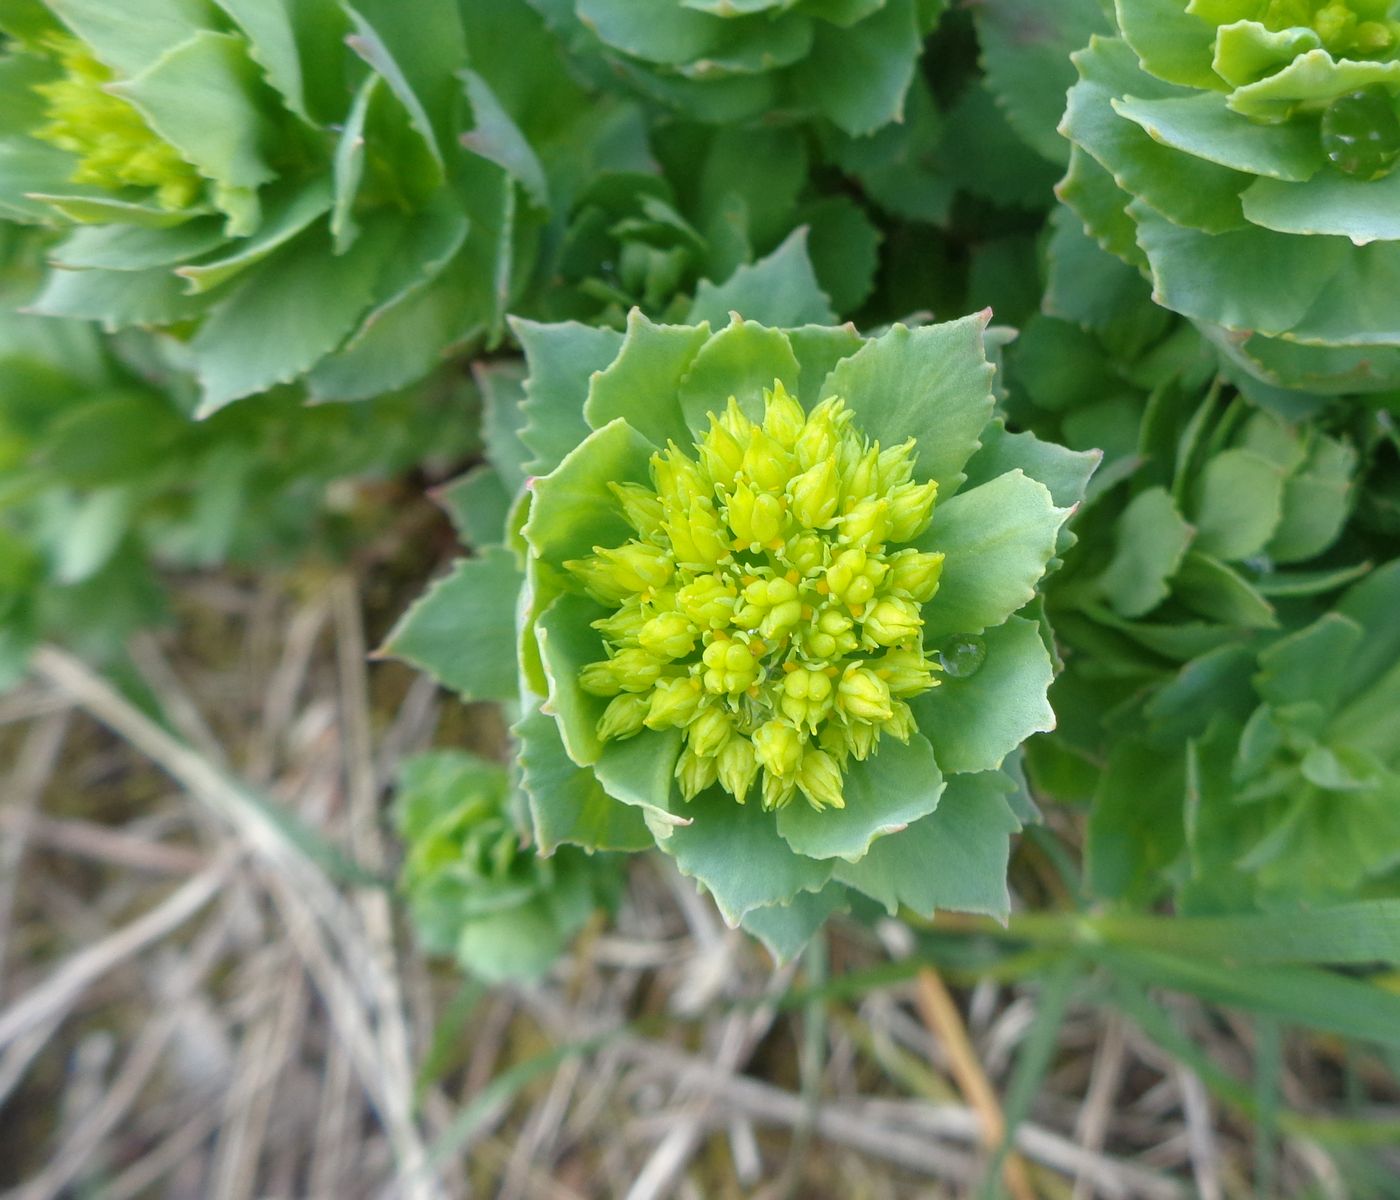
point(1330, 204)
point(567, 803)
point(1151, 540)
point(894, 787)
point(130, 36)
point(561, 358)
point(567, 644)
point(741, 360)
point(780, 290)
point(640, 772)
point(1239, 502)
point(975, 721)
point(1288, 670)
point(736, 852)
point(997, 539)
point(786, 928)
point(637, 386)
point(858, 76)
point(462, 630)
point(1202, 126)
point(932, 383)
point(574, 509)
point(1174, 45)
point(955, 858)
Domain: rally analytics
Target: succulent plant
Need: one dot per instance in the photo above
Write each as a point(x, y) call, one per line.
point(1221, 146)
point(476, 890)
point(767, 588)
point(300, 191)
point(850, 61)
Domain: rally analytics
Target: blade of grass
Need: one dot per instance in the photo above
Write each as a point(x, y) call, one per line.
point(1268, 1066)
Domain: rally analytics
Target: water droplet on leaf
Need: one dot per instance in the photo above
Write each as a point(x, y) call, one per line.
point(1361, 133)
point(962, 656)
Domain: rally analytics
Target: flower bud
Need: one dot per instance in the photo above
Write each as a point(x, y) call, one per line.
point(600, 679)
point(697, 536)
point(908, 672)
point(640, 506)
point(891, 621)
point(911, 507)
point(915, 574)
point(901, 724)
point(636, 670)
point(807, 553)
point(777, 792)
point(863, 694)
point(859, 471)
point(815, 494)
point(756, 518)
point(766, 463)
point(731, 667)
point(669, 635)
point(894, 466)
point(674, 703)
point(820, 779)
point(721, 452)
point(677, 478)
point(807, 697)
point(821, 435)
point(625, 625)
point(778, 747)
point(623, 717)
point(867, 524)
point(708, 602)
point(709, 730)
point(695, 773)
point(737, 767)
point(610, 576)
point(783, 418)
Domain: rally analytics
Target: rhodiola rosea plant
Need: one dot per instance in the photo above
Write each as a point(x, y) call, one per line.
point(1241, 154)
point(772, 596)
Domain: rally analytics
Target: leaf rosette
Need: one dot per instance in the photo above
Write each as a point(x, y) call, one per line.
point(770, 588)
point(329, 192)
point(476, 890)
point(1222, 145)
point(720, 61)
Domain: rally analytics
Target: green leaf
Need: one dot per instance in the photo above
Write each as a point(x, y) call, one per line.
point(741, 360)
point(1102, 208)
point(136, 248)
point(286, 314)
point(462, 630)
point(735, 851)
point(496, 137)
point(574, 509)
point(640, 772)
point(858, 76)
point(955, 858)
point(932, 383)
point(896, 786)
point(348, 163)
point(998, 539)
point(118, 299)
point(670, 35)
point(1312, 78)
point(786, 928)
point(284, 216)
point(1373, 603)
point(1186, 190)
point(780, 290)
point(975, 721)
point(567, 803)
point(1288, 670)
point(1209, 587)
point(640, 384)
point(1317, 499)
point(844, 245)
point(130, 36)
point(1136, 827)
point(1026, 55)
point(1151, 538)
point(477, 503)
point(1238, 504)
point(561, 358)
point(272, 44)
point(568, 643)
point(1064, 472)
point(1172, 44)
point(30, 172)
point(1330, 204)
point(502, 387)
point(201, 97)
point(369, 45)
point(818, 348)
point(1203, 126)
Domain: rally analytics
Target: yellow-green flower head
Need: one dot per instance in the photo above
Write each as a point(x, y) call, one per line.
point(1355, 29)
point(768, 606)
point(114, 145)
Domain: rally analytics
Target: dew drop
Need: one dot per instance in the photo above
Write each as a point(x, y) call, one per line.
point(1361, 133)
point(962, 656)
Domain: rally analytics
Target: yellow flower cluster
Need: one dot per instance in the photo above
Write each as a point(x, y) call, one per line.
point(762, 608)
point(1356, 29)
point(115, 147)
